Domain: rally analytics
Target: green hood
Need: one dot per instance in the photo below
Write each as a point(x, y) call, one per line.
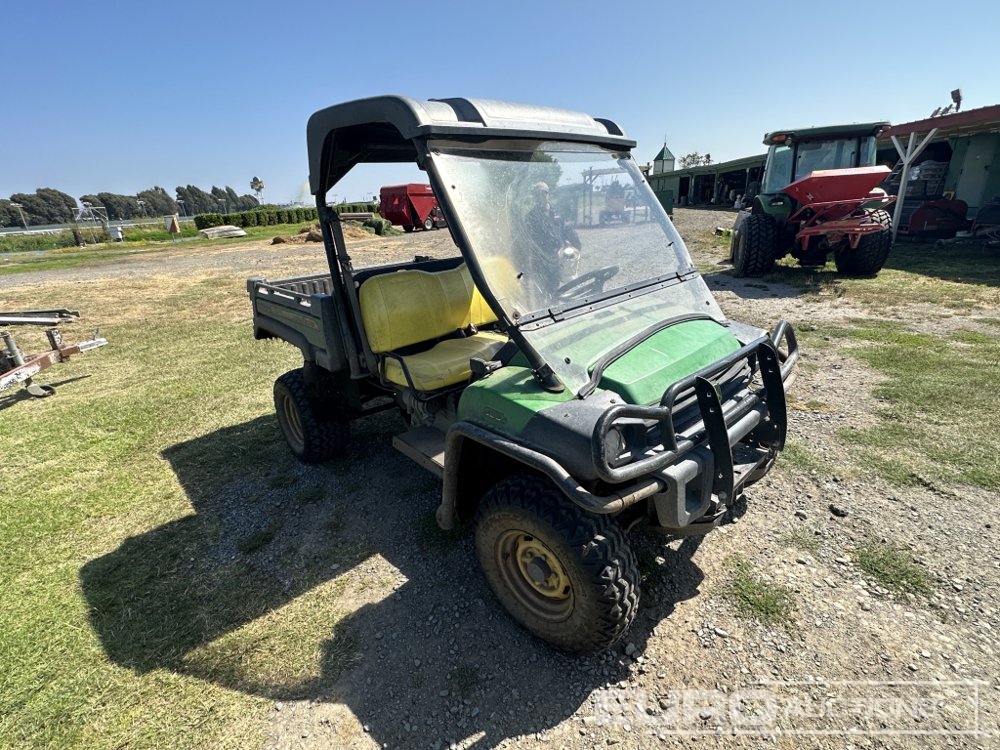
point(642, 375)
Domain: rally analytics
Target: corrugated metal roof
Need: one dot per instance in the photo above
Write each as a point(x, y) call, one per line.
point(723, 166)
point(970, 122)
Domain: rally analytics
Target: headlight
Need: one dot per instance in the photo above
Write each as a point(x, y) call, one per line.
point(614, 445)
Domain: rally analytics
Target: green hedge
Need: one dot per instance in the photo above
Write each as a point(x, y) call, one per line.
point(204, 221)
point(356, 208)
point(261, 218)
point(273, 216)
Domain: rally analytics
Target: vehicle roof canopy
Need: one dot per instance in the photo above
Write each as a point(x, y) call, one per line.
point(827, 132)
point(384, 128)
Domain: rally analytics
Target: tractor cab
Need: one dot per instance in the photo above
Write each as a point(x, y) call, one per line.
point(793, 154)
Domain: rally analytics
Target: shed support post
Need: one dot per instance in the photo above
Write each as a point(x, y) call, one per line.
point(908, 156)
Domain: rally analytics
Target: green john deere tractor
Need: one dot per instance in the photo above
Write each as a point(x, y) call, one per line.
point(819, 194)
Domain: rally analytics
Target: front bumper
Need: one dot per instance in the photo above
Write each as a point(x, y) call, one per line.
point(696, 471)
point(730, 443)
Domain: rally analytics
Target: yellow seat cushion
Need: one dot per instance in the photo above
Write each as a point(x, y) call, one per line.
point(446, 363)
point(406, 307)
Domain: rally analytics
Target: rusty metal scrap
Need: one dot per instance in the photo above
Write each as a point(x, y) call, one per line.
point(18, 368)
point(38, 317)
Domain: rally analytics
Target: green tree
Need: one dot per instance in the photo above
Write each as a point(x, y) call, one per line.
point(197, 201)
point(119, 206)
point(221, 199)
point(158, 202)
point(694, 159)
point(46, 206)
point(9, 216)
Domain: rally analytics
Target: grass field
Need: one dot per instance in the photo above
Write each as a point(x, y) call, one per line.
point(92, 470)
point(941, 377)
point(129, 622)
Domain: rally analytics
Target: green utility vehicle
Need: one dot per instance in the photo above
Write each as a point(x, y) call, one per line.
point(566, 380)
point(818, 195)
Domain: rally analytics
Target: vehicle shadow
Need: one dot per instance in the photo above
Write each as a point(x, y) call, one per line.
point(435, 659)
point(961, 263)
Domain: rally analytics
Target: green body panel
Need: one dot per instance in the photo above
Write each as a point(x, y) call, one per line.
point(643, 374)
point(301, 321)
point(782, 209)
point(506, 400)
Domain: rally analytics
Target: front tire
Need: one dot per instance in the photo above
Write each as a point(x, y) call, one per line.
point(872, 251)
point(311, 438)
point(566, 575)
point(756, 246)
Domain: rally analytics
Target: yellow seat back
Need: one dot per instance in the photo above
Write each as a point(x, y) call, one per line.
point(406, 307)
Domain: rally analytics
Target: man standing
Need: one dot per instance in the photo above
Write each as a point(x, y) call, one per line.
point(556, 243)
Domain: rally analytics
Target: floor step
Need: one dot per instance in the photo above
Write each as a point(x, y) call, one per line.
point(425, 445)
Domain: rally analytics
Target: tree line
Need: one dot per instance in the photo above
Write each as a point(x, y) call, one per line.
point(50, 206)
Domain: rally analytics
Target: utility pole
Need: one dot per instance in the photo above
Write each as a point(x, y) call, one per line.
point(20, 210)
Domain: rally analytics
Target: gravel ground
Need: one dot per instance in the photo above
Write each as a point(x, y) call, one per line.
point(437, 663)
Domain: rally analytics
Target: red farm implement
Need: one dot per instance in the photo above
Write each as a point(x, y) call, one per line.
point(411, 206)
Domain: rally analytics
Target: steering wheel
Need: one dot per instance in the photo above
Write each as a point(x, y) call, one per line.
point(587, 282)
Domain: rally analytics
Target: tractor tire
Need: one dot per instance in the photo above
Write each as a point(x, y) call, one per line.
point(756, 245)
point(872, 250)
point(566, 575)
point(311, 438)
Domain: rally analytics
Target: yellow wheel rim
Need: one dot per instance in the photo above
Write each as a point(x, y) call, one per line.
point(534, 575)
point(294, 423)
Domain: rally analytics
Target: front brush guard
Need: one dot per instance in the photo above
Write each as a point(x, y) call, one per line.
point(721, 425)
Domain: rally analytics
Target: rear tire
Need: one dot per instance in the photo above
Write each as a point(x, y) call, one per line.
point(311, 438)
point(407, 227)
point(428, 223)
point(566, 575)
point(872, 251)
point(756, 246)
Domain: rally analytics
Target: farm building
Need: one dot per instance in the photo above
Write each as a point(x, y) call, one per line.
point(946, 162)
point(712, 184)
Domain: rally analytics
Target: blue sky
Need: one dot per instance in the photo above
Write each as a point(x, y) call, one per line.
point(121, 96)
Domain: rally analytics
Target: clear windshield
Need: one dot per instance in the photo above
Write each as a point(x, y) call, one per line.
point(778, 173)
point(573, 244)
